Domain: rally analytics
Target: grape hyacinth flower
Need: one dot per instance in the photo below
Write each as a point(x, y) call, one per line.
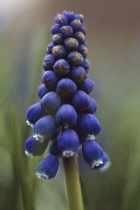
point(64, 118)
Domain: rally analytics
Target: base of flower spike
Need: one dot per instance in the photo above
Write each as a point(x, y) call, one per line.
point(38, 137)
point(44, 177)
point(105, 167)
point(28, 123)
point(67, 153)
point(96, 163)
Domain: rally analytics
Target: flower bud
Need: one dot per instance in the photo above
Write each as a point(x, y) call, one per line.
point(51, 102)
point(86, 86)
point(66, 116)
point(57, 38)
point(82, 29)
point(106, 163)
point(68, 142)
point(75, 58)
point(61, 67)
point(34, 113)
point(70, 16)
point(92, 153)
point(79, 75)
point(44, 128)
point(49, 48)
point(86, 64)
point(88, 125)
point(34, 148)
point(50, 80)
point(54, 149)
point(80, 17)
point(66, 87)
point(55, 29)
point(47, 168)
point(61, 19)
point(75, 24)
point(42, 90)
point(67, 31)
point(79, 36)
point(92, 107)
point(48, 62)
point(59, 52)
point(71, 44)
point(83, 50)
point(80, 100)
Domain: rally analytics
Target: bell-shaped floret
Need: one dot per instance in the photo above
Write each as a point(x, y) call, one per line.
point(50, 79)
point(66, 116)
point(34, 113)
point(47, 168)
point(88, 126)
point(66, 87)
point(75, 58)
point(34, 148)
point(92, 106)
point(51, 102)
point(44, 128)
point(48, 62)
point(80, 100)
point(87, 86)
point(92, 153)
point(42, 90)
point(78, 75)
point(68, 142)
point(61, 67)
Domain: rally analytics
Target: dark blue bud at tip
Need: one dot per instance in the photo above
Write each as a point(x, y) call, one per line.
point(61, 67)
point(75, 58)
point(71, 44)
point(57, 39)
point(80, 100)
point(55, 29)
point(48, 62)
point(67, 31)
point(87, 86)
point(78, 75)
point(59, 52)
point(50, 80)
point(61, 19)
point(80, 37)
point(42, 90)
point(66, 87)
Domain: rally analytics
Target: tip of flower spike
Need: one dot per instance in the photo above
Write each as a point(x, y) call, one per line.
point(67, 153)
point(28, 123)
point(38, 137)
point(96, 163)
point(44, 177)
point(28, 153)
point(105, 167)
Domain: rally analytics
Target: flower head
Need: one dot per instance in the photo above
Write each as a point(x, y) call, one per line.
point(64, 116)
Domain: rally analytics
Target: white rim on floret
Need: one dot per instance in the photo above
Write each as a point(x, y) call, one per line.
point(28, 153)
point(91, 137)
point(42, 176)
point(30, 124)
point(39, 137)
point(67, 153)
point(105, 167)
point(96, 163)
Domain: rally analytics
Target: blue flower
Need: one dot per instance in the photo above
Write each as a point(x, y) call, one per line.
point(92, 153)
point(34, 147)
point(34, 113)
point(44, 128)
point(63, 119)
point(51, 102)
point(47, 168)
point(66, 116)
point(68, 142)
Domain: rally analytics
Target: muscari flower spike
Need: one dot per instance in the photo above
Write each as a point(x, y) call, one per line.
point(64, 116)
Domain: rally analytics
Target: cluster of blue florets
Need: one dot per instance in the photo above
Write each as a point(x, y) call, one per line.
point(64, 116)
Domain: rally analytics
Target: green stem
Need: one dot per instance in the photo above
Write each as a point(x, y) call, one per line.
point(74, 195)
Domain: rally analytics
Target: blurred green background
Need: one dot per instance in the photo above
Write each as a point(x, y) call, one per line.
point(113, 38)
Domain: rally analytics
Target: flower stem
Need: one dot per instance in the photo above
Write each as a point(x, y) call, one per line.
point(73, 188)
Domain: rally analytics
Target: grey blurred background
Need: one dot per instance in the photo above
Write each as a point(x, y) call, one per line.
point(113, 38)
